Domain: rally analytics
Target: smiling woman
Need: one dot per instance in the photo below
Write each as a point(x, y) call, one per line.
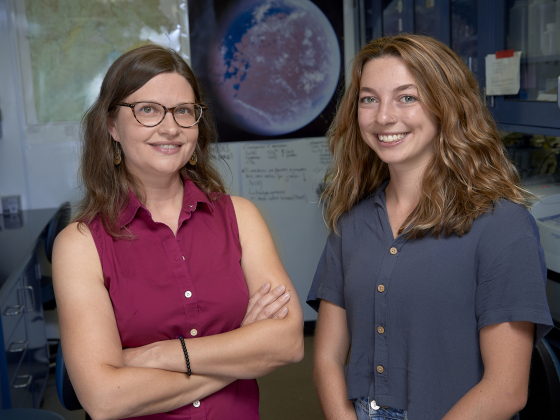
point(433, 274)
point(392, 121)
point(110, 183)
point(162, 146)
point(170, 293)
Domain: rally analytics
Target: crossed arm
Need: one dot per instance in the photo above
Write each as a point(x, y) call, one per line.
point(111, 383)
point(506, 353)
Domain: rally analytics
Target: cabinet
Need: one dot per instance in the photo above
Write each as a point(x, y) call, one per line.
point(24, 361)
point(527, 26)
point(453, 22)
point(476, 28)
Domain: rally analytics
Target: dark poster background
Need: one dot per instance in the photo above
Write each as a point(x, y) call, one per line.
point(206, 21)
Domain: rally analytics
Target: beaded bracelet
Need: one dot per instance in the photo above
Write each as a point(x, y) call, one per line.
point(189, 373)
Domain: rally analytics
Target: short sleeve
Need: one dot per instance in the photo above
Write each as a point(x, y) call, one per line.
point(511, 286)
point(328, 282)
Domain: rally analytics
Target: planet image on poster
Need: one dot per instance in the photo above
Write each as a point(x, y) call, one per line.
point(275, 65)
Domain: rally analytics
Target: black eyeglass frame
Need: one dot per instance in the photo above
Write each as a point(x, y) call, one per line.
point(165, 111)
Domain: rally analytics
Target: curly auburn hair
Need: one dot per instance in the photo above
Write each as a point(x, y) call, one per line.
point(469, 170)
point(106, 185)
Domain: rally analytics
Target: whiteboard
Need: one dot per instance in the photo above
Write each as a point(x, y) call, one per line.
point(281, 178)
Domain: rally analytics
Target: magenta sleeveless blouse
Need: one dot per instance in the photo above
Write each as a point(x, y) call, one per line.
point(164, 286)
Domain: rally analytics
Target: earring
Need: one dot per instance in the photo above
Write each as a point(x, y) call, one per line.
point(193, 159)
point(117, 158)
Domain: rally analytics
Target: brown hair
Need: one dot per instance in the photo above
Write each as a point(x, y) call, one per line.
point(469, 171)
point(105, 184)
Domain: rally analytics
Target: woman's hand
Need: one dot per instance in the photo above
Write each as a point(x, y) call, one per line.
point(267, 304)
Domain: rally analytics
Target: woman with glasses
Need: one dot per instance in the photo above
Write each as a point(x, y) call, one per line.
point(170, 293)
point(433, 274)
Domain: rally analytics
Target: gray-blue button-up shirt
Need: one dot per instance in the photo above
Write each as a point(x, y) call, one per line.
point(414, 307)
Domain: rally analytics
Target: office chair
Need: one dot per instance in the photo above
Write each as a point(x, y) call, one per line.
point(544, 385)
point(64, 388)
point(55, 226)
point(57, 223)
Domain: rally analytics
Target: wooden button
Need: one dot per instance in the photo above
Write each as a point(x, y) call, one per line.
point(380, 369)
point(381, 288)
point(393, 250)
point(380, 330)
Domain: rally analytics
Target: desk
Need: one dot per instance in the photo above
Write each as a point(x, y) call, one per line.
point(24, 362)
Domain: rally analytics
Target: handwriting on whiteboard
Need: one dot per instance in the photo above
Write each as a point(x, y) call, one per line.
point(286, 171)
point(223, 151)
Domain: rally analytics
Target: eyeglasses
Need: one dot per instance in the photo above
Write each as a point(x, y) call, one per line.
point(151, 114)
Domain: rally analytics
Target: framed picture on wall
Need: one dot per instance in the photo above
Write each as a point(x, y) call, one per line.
point(270, 69)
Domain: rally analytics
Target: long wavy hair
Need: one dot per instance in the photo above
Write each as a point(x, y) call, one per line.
point(106, 185)
point(469, 170)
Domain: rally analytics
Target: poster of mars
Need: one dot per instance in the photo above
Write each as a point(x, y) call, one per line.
point(269, 69)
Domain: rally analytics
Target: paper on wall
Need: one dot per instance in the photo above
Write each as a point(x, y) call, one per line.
point(503, 74)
